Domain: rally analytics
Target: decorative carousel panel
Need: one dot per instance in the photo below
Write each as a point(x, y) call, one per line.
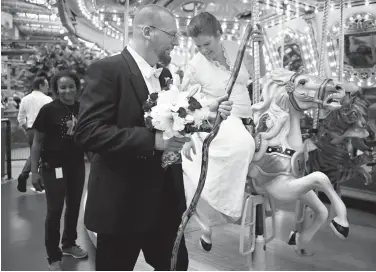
point(298, 51)
point(359, 51)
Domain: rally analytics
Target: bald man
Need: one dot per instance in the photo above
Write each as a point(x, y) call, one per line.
point(132, 204)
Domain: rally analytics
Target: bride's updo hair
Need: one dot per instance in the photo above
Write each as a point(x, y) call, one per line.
point(204, 23)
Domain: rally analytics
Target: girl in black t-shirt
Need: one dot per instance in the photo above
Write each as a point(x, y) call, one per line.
point(63, 168)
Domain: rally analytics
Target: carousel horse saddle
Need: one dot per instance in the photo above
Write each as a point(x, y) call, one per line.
point(297, 159)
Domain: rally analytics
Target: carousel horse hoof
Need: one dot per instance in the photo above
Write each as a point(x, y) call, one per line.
point(303, 252)
point(341, 231)
point(205, 245)
point(292, 238)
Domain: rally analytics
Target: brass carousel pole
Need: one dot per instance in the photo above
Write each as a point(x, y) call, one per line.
point(341, 43)
point(324, 35)
point(257, 258)
point(126, 24)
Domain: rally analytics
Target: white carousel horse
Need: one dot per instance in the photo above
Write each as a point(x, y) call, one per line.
point(278, 166)
point(295, 93)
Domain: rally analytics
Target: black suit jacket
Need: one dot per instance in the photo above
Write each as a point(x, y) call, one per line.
point(128, 190)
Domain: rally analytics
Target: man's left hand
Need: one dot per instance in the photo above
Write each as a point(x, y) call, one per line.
point(221, 105)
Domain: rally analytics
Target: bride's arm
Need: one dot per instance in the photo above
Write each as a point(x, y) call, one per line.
point(190, 78)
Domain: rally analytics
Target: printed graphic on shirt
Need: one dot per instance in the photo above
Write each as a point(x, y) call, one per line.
point(68, 124)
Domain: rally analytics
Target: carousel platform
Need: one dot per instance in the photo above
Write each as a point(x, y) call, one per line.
point(22, 243)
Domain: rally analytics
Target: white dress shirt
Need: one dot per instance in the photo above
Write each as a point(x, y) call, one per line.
point(148, 72)
point(30, 107)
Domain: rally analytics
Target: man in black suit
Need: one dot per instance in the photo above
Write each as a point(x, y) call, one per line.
point(133, 204)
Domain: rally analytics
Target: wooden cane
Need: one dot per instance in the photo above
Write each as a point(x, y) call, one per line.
point(205, 149)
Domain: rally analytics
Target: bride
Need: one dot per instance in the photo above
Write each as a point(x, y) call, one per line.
point(232, 150)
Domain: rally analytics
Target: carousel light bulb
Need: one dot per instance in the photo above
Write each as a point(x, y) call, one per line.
point(366, 17)
point(360, 84)
point(306, 8)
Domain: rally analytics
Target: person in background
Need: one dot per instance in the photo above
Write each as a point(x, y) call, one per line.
point(63, 167)
point(17, 100)
point(11, 104)
point(29, 109)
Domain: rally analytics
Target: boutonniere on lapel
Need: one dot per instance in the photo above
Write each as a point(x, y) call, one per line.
point(176, 113)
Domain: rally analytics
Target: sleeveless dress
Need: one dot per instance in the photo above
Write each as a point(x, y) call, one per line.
point(231, 152)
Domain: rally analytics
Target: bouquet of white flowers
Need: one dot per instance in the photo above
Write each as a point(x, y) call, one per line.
point(177, 114)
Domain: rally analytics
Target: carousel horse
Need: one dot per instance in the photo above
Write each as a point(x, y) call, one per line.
point(278, 166)
point(297, 92)
point(340, 134)
point(342, 131)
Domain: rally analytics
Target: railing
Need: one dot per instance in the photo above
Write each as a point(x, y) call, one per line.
point(6, 152)
point(19, 141)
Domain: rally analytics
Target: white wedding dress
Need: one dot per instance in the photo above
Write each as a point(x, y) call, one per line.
point(231, 152)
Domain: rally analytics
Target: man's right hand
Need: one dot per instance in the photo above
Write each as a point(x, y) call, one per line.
point(36, 180)
point(174, 144)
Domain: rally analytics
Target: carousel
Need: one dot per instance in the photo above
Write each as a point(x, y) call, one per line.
point(321, 56)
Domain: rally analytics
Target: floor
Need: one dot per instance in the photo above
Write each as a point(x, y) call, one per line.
point(22, 240)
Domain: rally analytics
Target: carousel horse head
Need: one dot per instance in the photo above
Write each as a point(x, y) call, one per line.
point(354, 109)
point(302, 91)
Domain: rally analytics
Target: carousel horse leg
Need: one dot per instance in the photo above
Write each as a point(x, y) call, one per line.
point(206, 237)
point(331, 209)
point(288, 188)
point(305, 235)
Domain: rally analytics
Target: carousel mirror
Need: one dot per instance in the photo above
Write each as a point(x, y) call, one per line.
point(292, 54)
point(298, 51)
point(359, 49)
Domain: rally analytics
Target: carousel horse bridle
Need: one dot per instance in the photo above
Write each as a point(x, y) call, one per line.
point(319, 95)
